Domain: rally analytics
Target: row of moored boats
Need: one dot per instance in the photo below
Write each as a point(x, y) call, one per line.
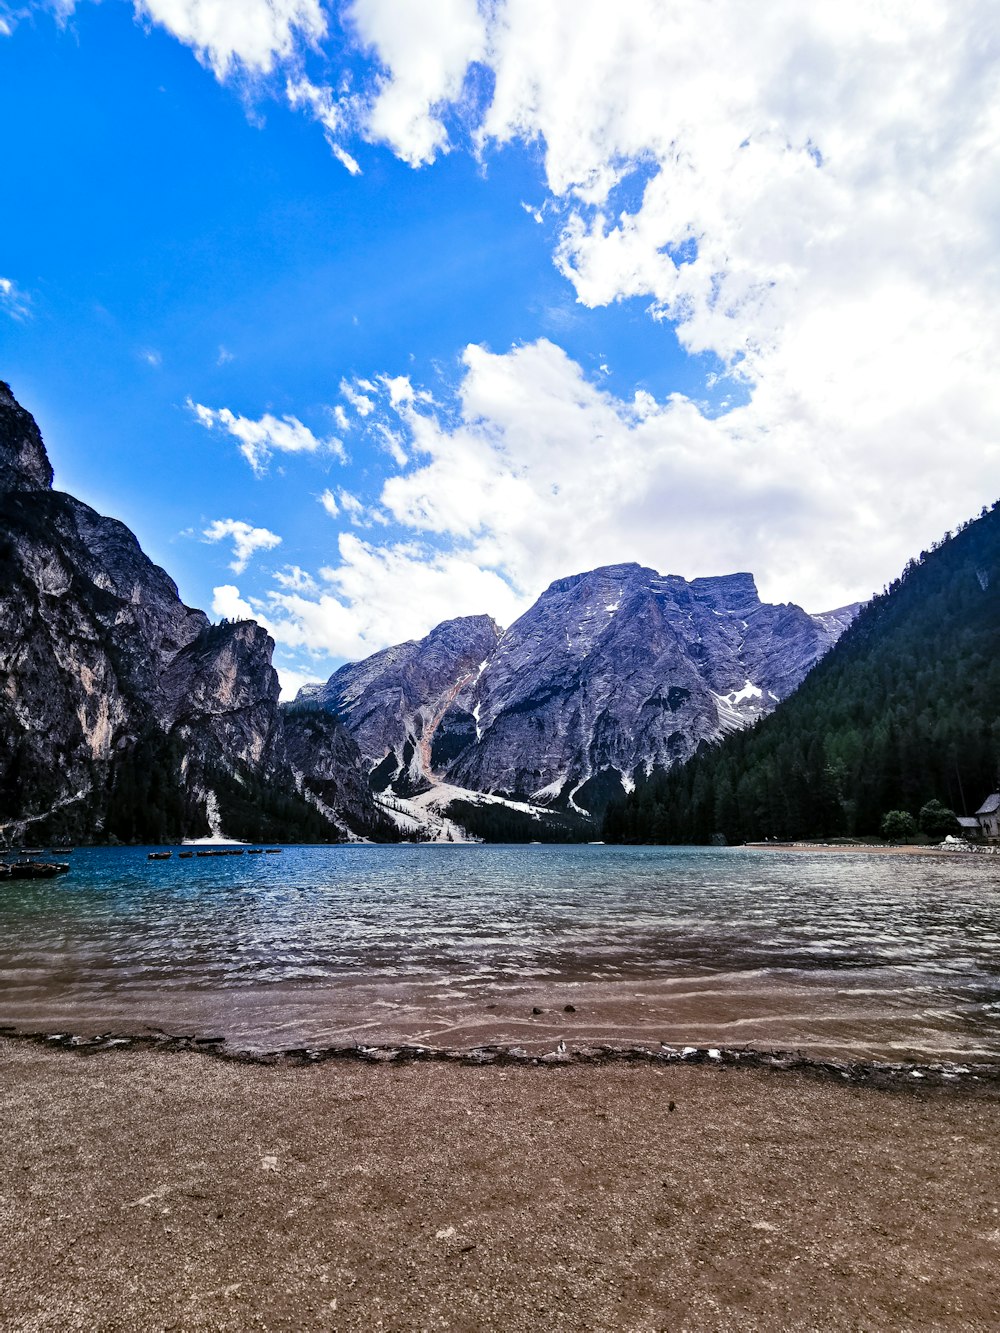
point(217, 851)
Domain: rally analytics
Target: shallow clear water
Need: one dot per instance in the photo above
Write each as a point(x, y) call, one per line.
point(872, 953)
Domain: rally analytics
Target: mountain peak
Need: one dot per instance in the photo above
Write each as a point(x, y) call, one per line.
point(731, 592)
point(604, 573)
point(24, 464)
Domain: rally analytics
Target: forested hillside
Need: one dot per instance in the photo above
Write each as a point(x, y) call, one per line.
point(904, 709)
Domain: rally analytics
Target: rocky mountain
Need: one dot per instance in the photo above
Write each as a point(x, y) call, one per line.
point(124, 712)
point(609, 674)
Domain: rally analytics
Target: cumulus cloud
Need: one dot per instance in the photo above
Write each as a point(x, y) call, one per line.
point(806, 193)
point(253, 34)
point(375, 596)
point(229, 605)
point(246, 540)
point(425, 51)
point(541, 473)
point(535, 472)
point(260, 439)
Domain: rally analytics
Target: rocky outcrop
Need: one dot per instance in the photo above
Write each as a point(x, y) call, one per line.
point(122, 711)
point(609, 673)
point(333, 776)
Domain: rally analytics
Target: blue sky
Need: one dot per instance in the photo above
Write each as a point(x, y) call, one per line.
point(669, 355)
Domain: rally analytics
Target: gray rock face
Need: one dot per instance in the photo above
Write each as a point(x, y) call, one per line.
point(24, 464)
point(612, 671)
point(120, 707)
point(409, 707)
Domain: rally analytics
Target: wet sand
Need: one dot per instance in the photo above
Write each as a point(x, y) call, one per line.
point(824, 1014)
point(145, 1190)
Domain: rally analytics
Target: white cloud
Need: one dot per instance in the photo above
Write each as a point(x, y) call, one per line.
point(351, 506)
point(295, 579)
point(375, 596)
point(541, 473)
point(229, 605)
point(425, 51)
point(260, 439)
point(329, 502)
point(336, 115)
point(391, 443)
point(361, 403)
point(251, 33)
point(345, 159)
point(246, 540)
point(225, 356)
point(12, 300)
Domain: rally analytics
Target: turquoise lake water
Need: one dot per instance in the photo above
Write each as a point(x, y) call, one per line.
point(872, 954)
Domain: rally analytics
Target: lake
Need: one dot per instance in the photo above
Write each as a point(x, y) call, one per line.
point(890, 957)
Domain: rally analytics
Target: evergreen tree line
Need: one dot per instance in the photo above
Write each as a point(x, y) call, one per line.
point(902, 711)
point(148, 802)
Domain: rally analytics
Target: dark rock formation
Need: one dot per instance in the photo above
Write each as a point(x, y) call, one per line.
point(330, 763)
point(124, 712)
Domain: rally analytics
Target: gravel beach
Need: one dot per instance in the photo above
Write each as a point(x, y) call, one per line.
point(150, 1190)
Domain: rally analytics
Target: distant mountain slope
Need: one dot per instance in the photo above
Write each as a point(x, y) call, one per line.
point(122, 711)
point(904, 709)
point(609, 673)
point(394, 702)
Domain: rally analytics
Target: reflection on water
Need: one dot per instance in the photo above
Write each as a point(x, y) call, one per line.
point(894, 934)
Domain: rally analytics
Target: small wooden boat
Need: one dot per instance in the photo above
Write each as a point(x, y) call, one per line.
point(255, 851)
point(185, 856)
point(273, 851)
point(34, 869)
point(159, 856)
point(31, 851)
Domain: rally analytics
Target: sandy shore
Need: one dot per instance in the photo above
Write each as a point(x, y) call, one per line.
point(875, 848)
point(142, 1190)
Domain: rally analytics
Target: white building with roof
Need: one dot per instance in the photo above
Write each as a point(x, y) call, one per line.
point(988, 817)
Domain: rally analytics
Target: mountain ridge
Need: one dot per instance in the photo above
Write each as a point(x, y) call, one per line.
point(610, 671)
